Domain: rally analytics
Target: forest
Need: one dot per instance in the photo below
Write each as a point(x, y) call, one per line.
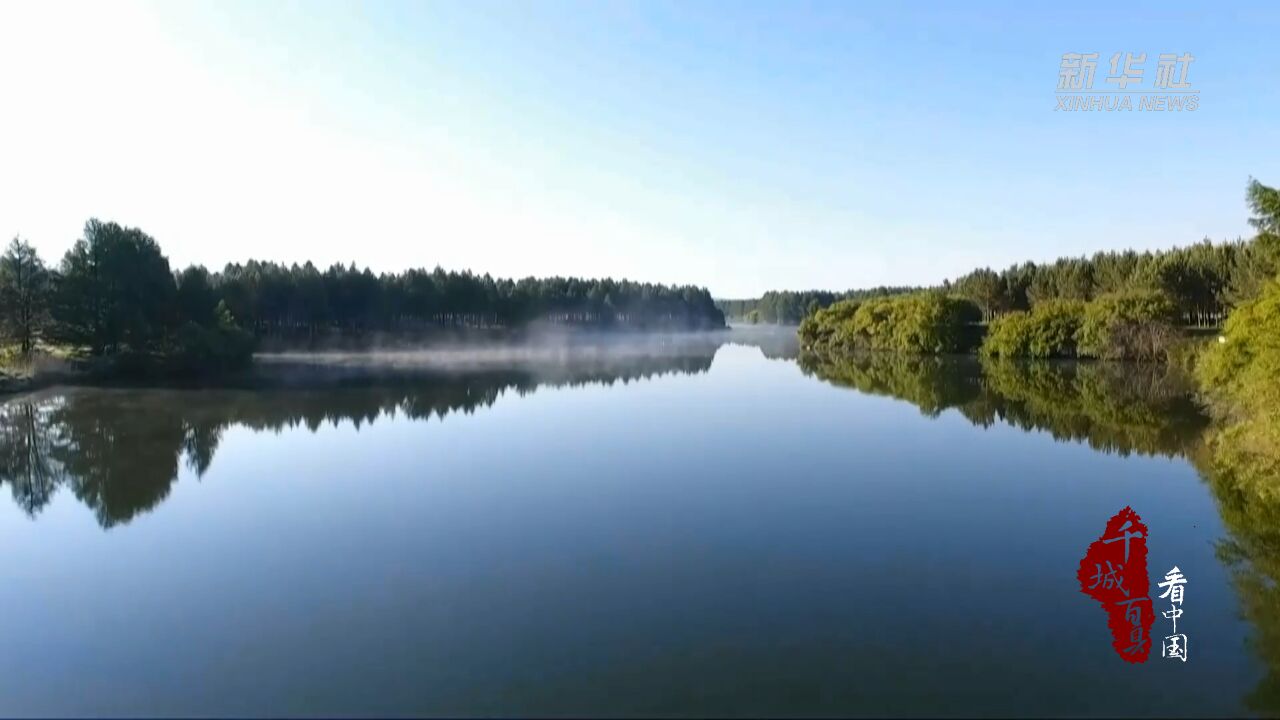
point(114, 295)
point(1115, 305)
point(1201, 281)
point(788, 307)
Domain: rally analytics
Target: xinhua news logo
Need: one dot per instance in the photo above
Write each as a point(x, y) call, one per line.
point(1169, 90)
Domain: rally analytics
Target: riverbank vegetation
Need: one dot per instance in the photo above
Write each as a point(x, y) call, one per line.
point(1207, 320)
point(786, 307)
point(922, 322)
point(114, 303)
point(1240, 378)
point(1115, 305)
point(1134, 325)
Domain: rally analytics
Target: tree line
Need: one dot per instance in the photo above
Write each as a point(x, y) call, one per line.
point(1131, 306)
point(114, 292)
point(788, 307)
point(272, 298)
point(1123, 305)
point(1202, 281)
point(114, 295)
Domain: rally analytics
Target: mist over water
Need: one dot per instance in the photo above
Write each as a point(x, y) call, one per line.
point(546, 353)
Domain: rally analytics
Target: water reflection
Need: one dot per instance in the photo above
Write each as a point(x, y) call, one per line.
point(28, 436)
point(118, 451)
point(1242, 467)
point(1117, 408)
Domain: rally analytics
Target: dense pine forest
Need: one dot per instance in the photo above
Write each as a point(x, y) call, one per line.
point(114, 293)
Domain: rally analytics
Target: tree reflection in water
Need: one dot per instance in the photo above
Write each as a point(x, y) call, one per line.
point(1119, 408)
point(1114, 407)
point(1241, 463)
point(118, 451)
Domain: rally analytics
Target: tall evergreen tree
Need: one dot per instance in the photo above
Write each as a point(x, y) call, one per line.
point(23, 294)
point(115, 290)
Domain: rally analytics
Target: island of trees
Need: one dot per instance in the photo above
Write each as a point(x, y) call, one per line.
point(114, 299)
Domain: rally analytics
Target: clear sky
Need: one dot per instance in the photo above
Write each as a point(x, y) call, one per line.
point(744, 146)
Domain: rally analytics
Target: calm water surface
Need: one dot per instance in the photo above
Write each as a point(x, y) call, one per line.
point(690, 528)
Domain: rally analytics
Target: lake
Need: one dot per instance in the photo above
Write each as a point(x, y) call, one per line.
point(698, 525)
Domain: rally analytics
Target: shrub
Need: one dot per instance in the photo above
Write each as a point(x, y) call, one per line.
point(919, 323)
point(818, 328)
point(1048, 331)
point(1245, 365)
point(1008, 335)
point(200, 349)
point(1129, 326)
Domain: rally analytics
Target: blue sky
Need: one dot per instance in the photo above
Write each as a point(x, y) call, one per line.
point(743, 146)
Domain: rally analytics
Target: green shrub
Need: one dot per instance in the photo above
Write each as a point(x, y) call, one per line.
point(1048, 331)
point(1245, 365)
point(221, 348)
point(199, 349)
point(918, 323)
point(818, 328)
point(1240, 376)
point(1129, 326)
point(1008, 335)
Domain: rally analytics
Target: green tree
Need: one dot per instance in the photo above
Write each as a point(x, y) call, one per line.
point(987, 289)
point(115, 291)
point(196, 296)
point(1049, 330)
point(1136, 325)
point(1264, 204)
point(24, 286)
